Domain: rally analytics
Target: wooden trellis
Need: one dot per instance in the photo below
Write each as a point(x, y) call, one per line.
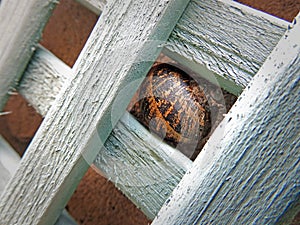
point(248, 172)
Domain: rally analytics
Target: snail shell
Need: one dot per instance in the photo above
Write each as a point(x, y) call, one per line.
point(172, 105)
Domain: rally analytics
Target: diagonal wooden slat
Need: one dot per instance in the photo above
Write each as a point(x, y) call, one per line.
point(9, 161)
point(43, 79)
point(222, 37)
point(248, 172)
point(228, 38)
point(141, 166)
point(36, 87)
point(123, 45)
point(21, 25)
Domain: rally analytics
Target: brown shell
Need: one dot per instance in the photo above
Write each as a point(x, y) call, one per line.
point(172, 105)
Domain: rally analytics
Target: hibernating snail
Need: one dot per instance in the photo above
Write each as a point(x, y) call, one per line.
point(172, 105)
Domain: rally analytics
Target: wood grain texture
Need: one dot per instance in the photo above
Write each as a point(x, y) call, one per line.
point(149, 199)
point(248, 172)
point(143, 167)
point(160, 173)
point(43, 79)
point(95, 6)
point(131, 155)
point(80, 119)
point(231, 41)
point(21, 25)
point(9, 161)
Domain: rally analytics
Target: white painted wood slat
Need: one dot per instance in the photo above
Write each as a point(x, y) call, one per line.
point(21, 25)
point(150, 197)
point(95, 6)
point(9, 162)
point(248, 172)
point(127, 34)
point(140, 165)
point(226, 38)
point(229, 39)
point(144, 168)
point(43, 79)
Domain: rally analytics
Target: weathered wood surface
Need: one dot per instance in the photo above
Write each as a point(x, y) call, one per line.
point(95, 6)
point(229, 39)
point(21, 25)
point(226, 38)
point(41, 95)
point(43, 79)
point(9, 162)
point(140, 165)
point(248, 172)
point(80, 119)
point(143, 167)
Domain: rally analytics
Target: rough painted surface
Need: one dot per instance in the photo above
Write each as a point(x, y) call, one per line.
point(248, 173)
point(9, 162)
point(44, 79)
point(226, 38)
point(143, 167)
point(71, 133)
point(95, 201)
point(230, 40)
point(148, 198)
point(18, 40)
point(94, 5)
point(132, 157)
point(149, 170)
point(100, 197)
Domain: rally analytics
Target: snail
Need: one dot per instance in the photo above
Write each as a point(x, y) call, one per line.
point(173, 106)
